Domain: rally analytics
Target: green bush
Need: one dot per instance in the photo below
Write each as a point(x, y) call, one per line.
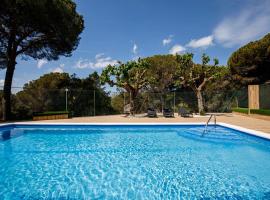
point(50, 113)
point(260, 111)
point(252, 111)
point(240, 110)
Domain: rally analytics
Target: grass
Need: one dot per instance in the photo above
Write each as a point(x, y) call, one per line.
point(48, 113)
point(252, 111)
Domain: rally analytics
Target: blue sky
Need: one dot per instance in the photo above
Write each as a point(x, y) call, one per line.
point(128, 29)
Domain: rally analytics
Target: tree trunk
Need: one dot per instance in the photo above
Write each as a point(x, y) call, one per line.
point(133, 95)
point(200, 101)
point(7, 90)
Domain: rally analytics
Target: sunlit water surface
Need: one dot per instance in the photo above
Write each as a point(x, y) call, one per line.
point(132, 162)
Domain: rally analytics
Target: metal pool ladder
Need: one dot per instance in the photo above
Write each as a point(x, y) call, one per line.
point(207, 123)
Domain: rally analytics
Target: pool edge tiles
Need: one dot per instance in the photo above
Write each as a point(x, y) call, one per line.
point(246, 130)
point(226, 125)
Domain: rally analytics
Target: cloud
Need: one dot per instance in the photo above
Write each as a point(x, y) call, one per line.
point(59, 69)
point(101, 61)
point(135, 49)
point(2, 81)
point(250, 24)
point(167, 40)
point(177, 49)
point(83, 63)
point(100, 55)
point(203, 42)
point(41, 62)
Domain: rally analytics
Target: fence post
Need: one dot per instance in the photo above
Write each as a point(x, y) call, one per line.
point(94, 102)
point(66, 90)
point(124, 102)
point(174, 101)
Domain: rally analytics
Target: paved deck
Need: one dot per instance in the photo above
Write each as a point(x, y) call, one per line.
point(234, 119)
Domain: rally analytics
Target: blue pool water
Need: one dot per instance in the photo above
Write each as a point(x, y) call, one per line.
point(132, 162)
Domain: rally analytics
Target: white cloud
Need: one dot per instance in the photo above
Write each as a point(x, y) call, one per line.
point(100, 62)
point(59, 69)
point(100, 55)
point(167, 40)
point(177, 49)
point(135, 49)
point(203, 42)
point(250, 24)
point(2, 81)
point(41, 62)
point(83, 63)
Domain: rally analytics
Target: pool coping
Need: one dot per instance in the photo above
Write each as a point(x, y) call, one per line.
point(234, 127)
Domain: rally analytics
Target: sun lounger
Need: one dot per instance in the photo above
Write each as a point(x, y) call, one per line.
point(168, 112)
point(184, 113)
point(151, 112)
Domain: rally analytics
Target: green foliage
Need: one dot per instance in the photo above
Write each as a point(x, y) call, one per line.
point(194, 75)
point(38, 29)
point(51, 113)
point(117, 103)
point(197, 76)
point(43, 94)
point(252, 111)
point(241, 110)
point(260, 111)
point(251, 63)
point(161, 72)
point(202, 113)
point(47, 94)
point(130, 76)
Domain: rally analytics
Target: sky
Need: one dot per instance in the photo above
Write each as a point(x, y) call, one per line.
point(122, 30)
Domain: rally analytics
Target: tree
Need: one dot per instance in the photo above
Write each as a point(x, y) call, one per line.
point(86, 96)
point(251, 63)
point(118, 102)
point(196, 76)
point(130, 76)
point(38, 29)
point(47, 93)
point(161, 73)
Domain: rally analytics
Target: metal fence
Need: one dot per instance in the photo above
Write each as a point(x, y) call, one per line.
point(264, 96)
point(78, 102)
point(81, 102)
point(213, 102)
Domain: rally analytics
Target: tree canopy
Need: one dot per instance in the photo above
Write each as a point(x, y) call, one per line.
point(196, 76)
point(47, 93)
point(130, 76)
point(40, 29)
point(161, 72)
point(251, 63)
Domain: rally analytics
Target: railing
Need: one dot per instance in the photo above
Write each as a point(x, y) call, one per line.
point(206, 126)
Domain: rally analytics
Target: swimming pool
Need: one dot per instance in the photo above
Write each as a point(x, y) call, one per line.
point(132, 162)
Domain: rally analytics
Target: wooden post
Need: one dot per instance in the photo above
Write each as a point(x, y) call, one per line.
point(253, 97)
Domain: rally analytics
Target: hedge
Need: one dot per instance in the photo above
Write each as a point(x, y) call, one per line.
point(252, 111)
point(48, 113)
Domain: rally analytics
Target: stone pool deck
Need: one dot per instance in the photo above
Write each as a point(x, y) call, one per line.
point(254, 123)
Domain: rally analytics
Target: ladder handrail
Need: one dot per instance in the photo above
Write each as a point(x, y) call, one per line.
point(208, 121)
